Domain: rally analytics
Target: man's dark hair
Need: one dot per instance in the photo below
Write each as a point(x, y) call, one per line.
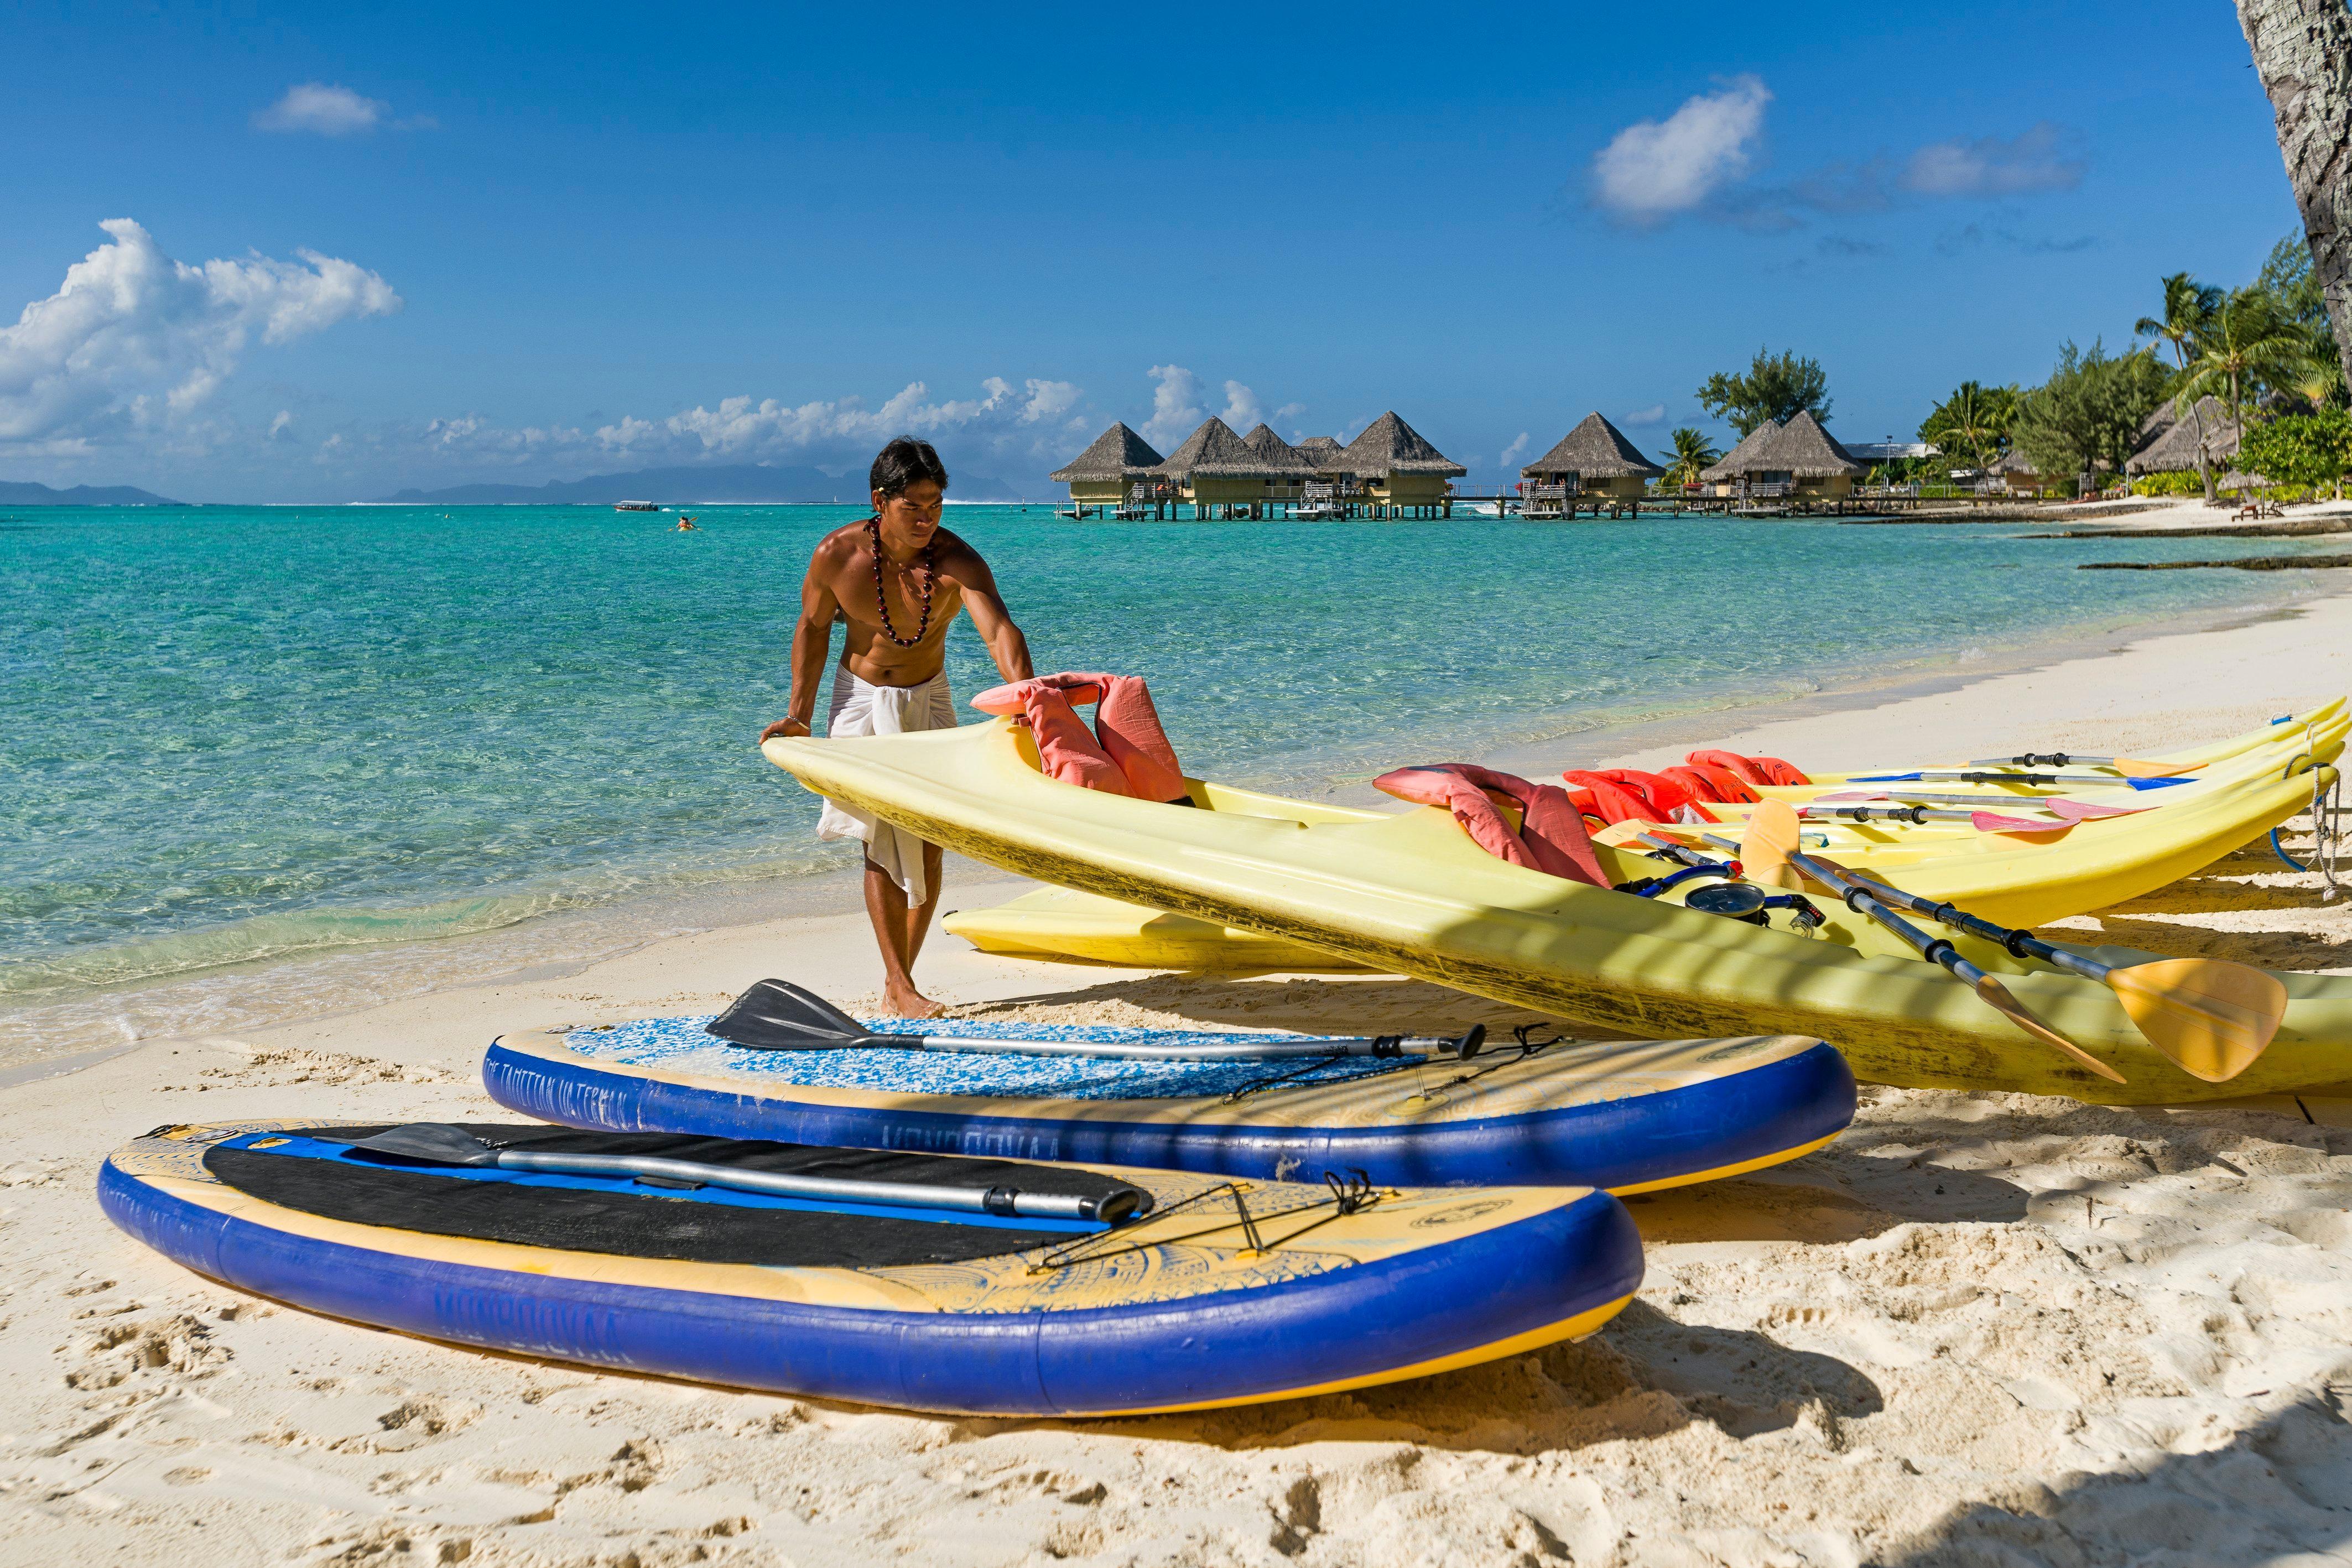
point(905, 461)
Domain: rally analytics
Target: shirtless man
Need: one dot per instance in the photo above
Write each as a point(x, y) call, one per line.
point(898, 579)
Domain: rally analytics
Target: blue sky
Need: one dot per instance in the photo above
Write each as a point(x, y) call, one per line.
point(378, 246)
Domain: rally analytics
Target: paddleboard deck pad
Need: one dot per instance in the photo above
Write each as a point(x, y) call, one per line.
point(1221, 1293)
point(1626, 1115)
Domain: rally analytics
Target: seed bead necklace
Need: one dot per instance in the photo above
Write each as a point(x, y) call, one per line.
point(881, 600)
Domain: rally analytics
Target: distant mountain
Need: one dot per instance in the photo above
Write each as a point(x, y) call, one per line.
point(688, 486)
point(31, 494)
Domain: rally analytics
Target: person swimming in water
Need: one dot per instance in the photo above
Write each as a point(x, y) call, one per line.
point(897, 571)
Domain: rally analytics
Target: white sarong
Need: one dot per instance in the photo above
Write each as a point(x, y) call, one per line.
point(861, 707)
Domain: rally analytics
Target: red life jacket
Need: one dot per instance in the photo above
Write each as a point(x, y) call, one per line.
point(1711, 783)
point(1598, 796)
point(1551, 836)
point(1668, 798)
point(1751, 770)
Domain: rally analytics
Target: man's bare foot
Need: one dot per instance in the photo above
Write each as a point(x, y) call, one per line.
point(906, 1002)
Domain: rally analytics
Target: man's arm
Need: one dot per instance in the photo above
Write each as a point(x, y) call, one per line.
point(812, 640)
point(990, 618)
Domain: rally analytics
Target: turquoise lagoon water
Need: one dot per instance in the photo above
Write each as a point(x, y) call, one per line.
point(239, 733)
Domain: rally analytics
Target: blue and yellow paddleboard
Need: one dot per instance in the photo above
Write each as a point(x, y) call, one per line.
point(1223, 1292)
point(1625, 1115)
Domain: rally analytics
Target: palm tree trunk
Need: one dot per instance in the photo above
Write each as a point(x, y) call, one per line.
point(2303, 52)
point(2204, 464)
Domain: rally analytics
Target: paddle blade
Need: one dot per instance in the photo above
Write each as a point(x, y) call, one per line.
point(2084, 811)
point(2135, 768)
point(436, 1142)
point(1994, 822)
point(2212, 1018)
point(1771, 837)
point(2154, 783)
point(1624, 832)
point(1997, 994)
point(776, 1015)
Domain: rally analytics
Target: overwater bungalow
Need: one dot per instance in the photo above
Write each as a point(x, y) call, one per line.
point(1297, 469)
point(1325, 451)
point(1594, 462)
point(1724, 477)
point(1398, 472)
point(1799, 462)
point(1221, 474)
point(1102, 475)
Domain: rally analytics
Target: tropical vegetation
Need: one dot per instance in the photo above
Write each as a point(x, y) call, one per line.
point(1692, 453)
point(1776, 387)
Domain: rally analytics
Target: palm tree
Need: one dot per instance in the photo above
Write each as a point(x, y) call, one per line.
point(2317, 378)
point(2247, 340)
point(1693, 452)
point(1973, 421)
point(2303, 52)
point(2189, 308)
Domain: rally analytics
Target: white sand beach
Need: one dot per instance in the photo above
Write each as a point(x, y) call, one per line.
point(1978, 1328)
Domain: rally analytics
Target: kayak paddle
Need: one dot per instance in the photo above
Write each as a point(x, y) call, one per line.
point(1984, 821)
point(2137, 767)
point(1768, 853)
point(2211, 1017)
point(776, 1015)
point(2056, 805)
point(439, 1143)
point(1954, 776)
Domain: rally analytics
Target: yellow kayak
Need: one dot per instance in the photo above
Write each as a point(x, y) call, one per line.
point(1409, 893)
point(2288, 729)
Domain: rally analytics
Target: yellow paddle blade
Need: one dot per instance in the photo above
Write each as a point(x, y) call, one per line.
point(1770, 837)
point(2133, 768)
point(2212, 1018)
point(1994, 992)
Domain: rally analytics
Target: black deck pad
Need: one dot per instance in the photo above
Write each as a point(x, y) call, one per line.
point(649, 1224)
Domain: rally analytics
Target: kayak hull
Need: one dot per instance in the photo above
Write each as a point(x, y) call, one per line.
point(1411, 894)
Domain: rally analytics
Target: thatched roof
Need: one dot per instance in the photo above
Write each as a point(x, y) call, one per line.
point(2012, 461)
point(1736, 461)
point(1214, 452)
point(2175, 450)
point(1277, 451)
point(1389, 445)
point(1116, 454)
point(1595, 449)
point(1805, 450)
point(1324, 452)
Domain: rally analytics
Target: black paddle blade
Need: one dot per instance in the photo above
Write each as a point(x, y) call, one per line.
point(433, 1142)
point(776, 1015)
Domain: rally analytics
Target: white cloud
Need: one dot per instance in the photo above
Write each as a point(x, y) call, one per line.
point(1240, 407)
point(1655, 168)
point(320, 107)
point(134, 339)
point(281, 424)
point(1513, 452)
point(1654, 415)
point(2033, 160)
point(1175, 406)
point(1017, 425)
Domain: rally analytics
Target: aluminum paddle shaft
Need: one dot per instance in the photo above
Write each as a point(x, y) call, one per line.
point(1008, 1202)
point(1937, 950)
point(1242, 1048)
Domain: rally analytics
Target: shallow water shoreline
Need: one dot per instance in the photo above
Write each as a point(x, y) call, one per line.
point(264, 992)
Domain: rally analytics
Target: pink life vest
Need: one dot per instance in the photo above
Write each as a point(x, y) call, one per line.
point(1127, 754)
point(1551, 836)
